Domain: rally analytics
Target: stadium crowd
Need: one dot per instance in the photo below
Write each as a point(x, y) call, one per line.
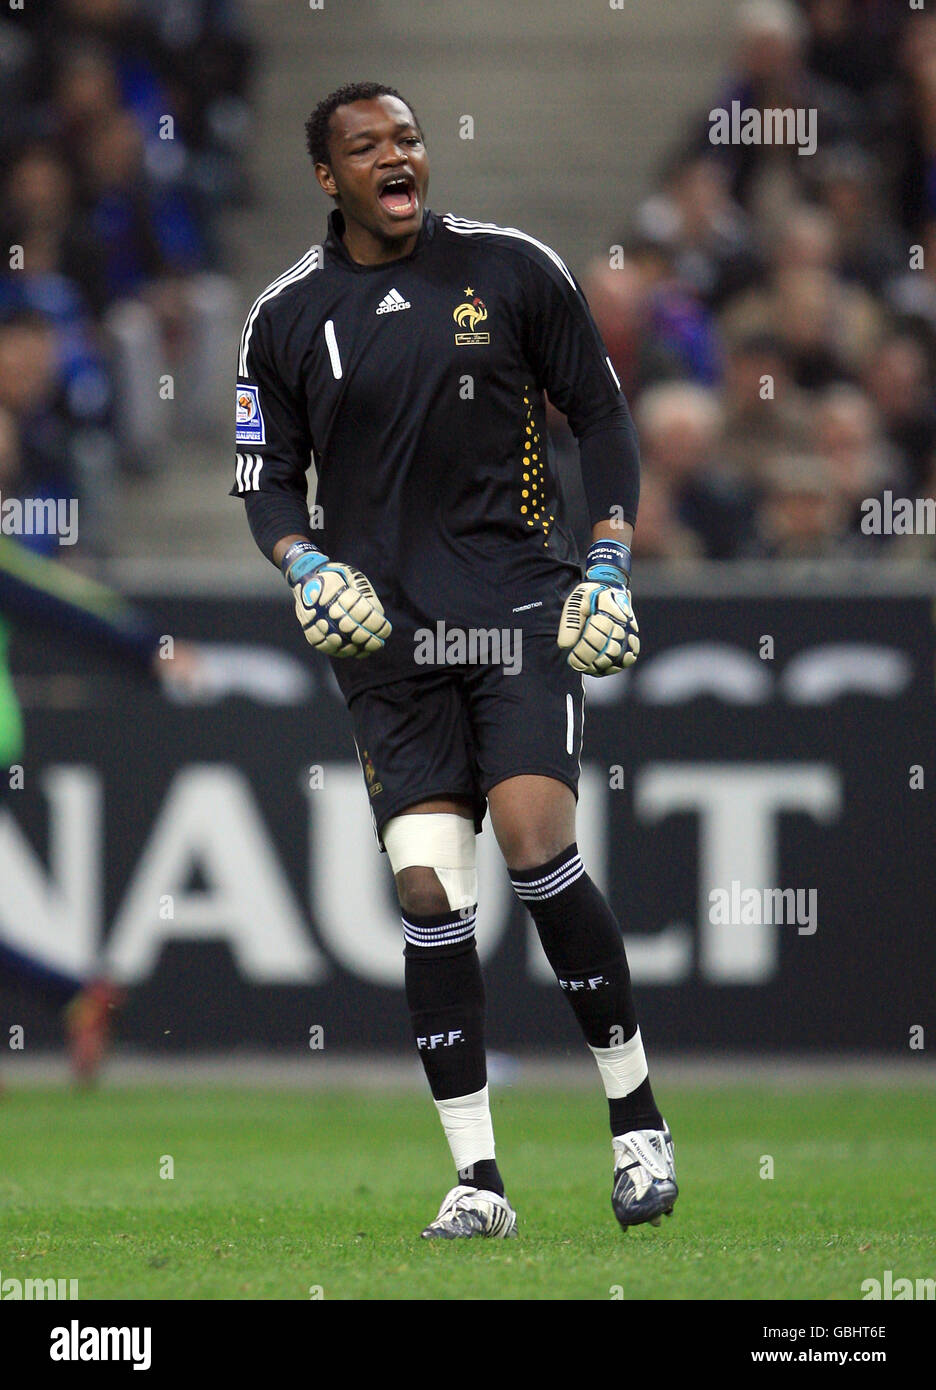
point(772, 315)
point(124, 126)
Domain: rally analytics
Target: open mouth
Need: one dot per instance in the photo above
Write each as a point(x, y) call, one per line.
point(398, 196)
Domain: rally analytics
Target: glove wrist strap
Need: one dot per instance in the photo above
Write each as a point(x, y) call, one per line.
point(298, 549)
point(609, 562)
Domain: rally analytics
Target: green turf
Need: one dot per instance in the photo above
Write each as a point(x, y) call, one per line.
point(276, 1193)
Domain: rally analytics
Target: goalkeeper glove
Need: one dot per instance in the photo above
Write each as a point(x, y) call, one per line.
point(336, 605)
point(597, 626)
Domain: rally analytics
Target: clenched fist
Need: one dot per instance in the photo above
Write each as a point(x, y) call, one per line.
point(597, 626)
point(336, 605)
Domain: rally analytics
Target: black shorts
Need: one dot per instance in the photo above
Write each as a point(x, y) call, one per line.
point(459, 730)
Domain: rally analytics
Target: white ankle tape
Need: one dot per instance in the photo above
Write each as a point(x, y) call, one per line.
point(468, 1128)
point(622, 1068)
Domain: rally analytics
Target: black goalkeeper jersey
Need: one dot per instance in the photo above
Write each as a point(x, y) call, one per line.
point(417, 389)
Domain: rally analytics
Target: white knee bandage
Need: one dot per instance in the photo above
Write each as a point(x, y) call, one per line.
point(440, 841)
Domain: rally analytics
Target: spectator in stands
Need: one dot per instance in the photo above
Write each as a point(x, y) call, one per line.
point(675, 314)
point(764, 410)
point(911, 294)
point(852, 43)
point(21, 60)
point(806, 240)
point(708, 234)
point(86, 91)
point(913, 142)
point(168, 314)
point(898, 381)
point(826, 326)
point(208, 69)
point(680, 427)
point(124, 133)
point(58, 265)
point(143, 232)
point(800, 517)
point(61, 455)
point(41, 215)
point(806, 262)
point(869, 247)
point(770, 73)
point(827, 329)
point(854, 456)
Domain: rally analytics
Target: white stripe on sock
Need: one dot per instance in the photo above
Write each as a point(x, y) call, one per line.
point(552, 883)
point(445, 935)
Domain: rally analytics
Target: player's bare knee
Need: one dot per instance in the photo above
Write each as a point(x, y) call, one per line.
point(420, 893)
point(527, 847)
point(533, 819)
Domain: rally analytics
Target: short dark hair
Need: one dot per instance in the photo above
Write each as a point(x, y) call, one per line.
point(316, 127)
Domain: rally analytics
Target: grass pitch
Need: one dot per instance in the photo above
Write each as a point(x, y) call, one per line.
point(279, 1194)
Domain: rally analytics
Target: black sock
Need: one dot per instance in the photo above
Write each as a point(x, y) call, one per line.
point(582, 941)
point(445, 993)
point(483, 1174)
point(635, 1111)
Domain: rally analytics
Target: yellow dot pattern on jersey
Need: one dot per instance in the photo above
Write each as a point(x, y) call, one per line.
point(534, 474)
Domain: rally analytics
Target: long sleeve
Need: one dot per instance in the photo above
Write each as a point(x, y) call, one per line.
point(575, 370)
point(273, 445)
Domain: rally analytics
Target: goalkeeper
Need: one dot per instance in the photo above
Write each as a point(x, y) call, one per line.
point(410, 355)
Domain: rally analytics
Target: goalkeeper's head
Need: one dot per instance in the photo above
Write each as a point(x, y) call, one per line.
point(367, 147)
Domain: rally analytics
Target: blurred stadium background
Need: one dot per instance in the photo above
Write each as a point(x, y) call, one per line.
point(214, 849)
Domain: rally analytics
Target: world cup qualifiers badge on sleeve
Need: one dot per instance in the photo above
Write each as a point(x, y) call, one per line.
point(250, 428)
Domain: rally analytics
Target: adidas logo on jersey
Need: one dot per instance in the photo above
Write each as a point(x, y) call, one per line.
point(392, 302)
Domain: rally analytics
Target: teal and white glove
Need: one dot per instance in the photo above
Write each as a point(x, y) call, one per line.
point(336, 605)
point(597, 626)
